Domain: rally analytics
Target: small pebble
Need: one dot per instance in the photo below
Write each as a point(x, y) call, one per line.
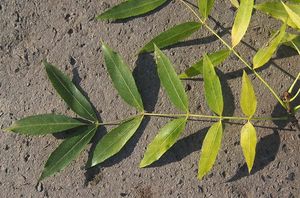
point(39, 187)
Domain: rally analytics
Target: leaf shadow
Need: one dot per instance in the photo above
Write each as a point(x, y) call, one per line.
point(148, 84)
point(285, 52)
point(267, 149)
point(182, 148)
point(227, 94)
point(143, 15)
point(147, 80)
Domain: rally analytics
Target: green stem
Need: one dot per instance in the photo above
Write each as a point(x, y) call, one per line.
point(296, 47)
point(188, 116)
point(213, 117)
point(235, 53)
point(294, 83)
point(295, 96)
point(164, 115)
point(117, 122)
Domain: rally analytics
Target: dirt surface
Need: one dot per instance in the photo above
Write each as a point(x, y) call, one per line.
point(67, 35)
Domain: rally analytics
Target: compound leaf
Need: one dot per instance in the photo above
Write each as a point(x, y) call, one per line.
point(197, 68)
point(205, 7)
point(44, 124)
point(172, 36)
point(68, 150)
point(122, 78)
point(248, 144)
point(242, 21)
point(69, 93)
point(264, 54)
point(115, 140)
point(248, 100)
point(212, 87)
point(165, 139)
point(170, 81)
point(130, 8)
point(210, 149)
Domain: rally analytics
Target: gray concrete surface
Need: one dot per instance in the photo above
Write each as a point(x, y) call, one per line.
point(65, 33)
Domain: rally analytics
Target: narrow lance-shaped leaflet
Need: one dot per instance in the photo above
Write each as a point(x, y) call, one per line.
point(197, 68)
point(115, 140)
point(172, 36)
point(248, 99)
point(205, 7)
point(44, 124)
point(277, 11)
point(171, 81)
point(68, 150)
point(210, 149)
point(264, 54)
point(212, 87)
point(295, 18)
point(130, 8)
point(163, 141)
point(70, 93)
point(248, 144)
point(122, 78)
point(242, 21)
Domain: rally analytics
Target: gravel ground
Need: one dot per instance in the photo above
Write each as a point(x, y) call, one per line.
point(67, 35)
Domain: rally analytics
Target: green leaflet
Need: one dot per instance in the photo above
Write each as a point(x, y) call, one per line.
point(248, 100)
point(235, 3)
point(68, 150)
point(197, 68)
point(296, 108)
point(165, 139)
point(171, 81)
point(44, 124)
point(69, 93)
point(115, 140)
point(264, 54)
point(205, 7)
point(212, 87)
point(248, 144)
point(130, 8)
point(122, 78)
point(292, 40)
point(172, 36)
point(277, 10)
point(295, 18)
point(210, 149)
point(242, 21)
